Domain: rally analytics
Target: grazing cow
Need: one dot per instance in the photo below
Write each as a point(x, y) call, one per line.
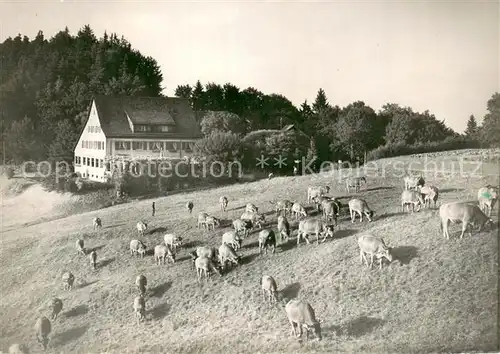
point(410, 197)
point(267, 238)
point(374, 247)
point(141, 228)
point(227, 254)
point(361, 207)
point(412, 182)
point(283, 228)
point(207, 220)
point(18, 349)
point(251, 208)
point(244, 226)
point(173, 241)
point(190, 206)
point(232, 238)
point(164, 253)
point(355, 183)
point(79, 246)
point(256, 218)
point(316, 191)
point(283, 205)
point(269, 288)
point(93, 259)
point(97, 223)
point(431, 193)
point(313, 226)
point(209, 252)
point(141, 282)
point(202, 219)
point(319, 200)
point(298, 210)
point(212, 221)
point(42, 331)
point(139, 308)
point(203, 266)
point(56, 307)
point(301, 314)
point(330, 210)
point(462, 212)
point(68, 279)
point(487, 197)
point(137, 247)
point(223, 203)
point(205, 251)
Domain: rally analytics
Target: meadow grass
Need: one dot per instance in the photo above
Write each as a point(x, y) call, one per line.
point(438, 296)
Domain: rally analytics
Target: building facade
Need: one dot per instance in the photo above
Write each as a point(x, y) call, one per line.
point(131, 128)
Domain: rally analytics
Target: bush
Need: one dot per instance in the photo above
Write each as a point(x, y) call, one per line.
point(219, 146)
point(222, 121)
point(271, 143)
point(86, 186)
point(287, 145)
point(450, 143)
point(145, 178)
point(62, 184)
point(9, 172)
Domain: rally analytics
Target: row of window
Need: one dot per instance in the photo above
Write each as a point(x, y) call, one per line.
point(94, 129)
point(153, 128)
point(89, 161)
point(96, 145)
point(154, 145)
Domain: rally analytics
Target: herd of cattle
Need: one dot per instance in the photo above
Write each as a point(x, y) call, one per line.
point(300, 314)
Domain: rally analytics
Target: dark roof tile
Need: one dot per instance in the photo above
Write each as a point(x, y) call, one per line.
point(113, 112)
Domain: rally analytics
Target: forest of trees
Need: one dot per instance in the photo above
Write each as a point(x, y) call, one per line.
point(46, 86)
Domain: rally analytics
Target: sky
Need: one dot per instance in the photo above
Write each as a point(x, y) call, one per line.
point(440, 56)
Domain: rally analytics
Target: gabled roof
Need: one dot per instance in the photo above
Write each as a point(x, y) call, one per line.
point(290, 127)
point(114, 112)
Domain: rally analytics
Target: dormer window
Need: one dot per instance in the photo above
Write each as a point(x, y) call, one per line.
point(142, 128)
point(164, 128)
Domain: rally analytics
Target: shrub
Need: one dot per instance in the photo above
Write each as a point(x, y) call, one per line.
point(51, 183)
point(222, 121)
point(450, 143)
point(86, 186)
point(219, 146)
point(149, 177)
point(9, 172)
point(287, 145)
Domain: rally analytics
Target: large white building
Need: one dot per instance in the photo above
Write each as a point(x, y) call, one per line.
point(134, 127)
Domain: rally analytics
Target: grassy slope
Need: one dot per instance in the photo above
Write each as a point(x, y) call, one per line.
point(441, 296)
point(36, 204)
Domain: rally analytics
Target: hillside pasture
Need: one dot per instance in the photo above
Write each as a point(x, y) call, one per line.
point(439, 295)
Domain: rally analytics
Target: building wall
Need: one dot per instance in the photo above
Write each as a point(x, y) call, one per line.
point(91, 148)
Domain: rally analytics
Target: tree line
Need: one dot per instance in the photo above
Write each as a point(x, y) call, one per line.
point(337, 132)
point(46, 86)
